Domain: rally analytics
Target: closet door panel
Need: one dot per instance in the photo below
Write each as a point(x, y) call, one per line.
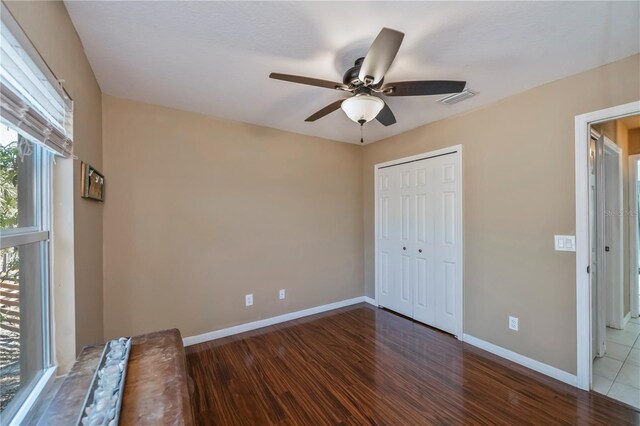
point(405, 292)
point(423, 306)
point(387, 236)
point(446, 242)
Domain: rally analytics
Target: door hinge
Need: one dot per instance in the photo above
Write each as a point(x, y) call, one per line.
point(588, 269)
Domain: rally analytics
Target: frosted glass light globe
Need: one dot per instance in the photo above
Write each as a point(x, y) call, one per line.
point(362, 107)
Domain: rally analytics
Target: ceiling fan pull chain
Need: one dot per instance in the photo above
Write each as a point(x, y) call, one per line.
point(361, 138)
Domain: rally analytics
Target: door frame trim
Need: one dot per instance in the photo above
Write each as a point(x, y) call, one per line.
point(456, 150)
point(583, 287)
point(634, 241)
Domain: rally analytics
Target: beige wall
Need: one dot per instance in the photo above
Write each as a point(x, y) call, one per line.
point(608, 129)
point(634, 141)
point(201, 211)
point(518, 166)
point(49, 27)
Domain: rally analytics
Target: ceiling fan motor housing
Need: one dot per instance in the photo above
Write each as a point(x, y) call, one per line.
point(351, 78)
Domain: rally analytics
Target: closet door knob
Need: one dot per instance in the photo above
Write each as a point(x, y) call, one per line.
point(419, 250)
point(404, 248)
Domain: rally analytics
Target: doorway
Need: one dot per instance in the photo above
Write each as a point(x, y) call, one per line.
point(612, 226)
point(419, 238)
point(606, 201)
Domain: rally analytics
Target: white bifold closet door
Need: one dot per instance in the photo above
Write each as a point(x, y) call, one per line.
point(418, 242)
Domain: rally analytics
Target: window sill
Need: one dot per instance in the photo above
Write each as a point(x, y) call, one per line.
point(48, 376)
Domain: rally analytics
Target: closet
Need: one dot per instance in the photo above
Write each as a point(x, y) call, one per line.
point(419, 239)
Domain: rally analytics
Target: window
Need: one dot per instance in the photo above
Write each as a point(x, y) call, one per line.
point(36, 123)
point(24, 269)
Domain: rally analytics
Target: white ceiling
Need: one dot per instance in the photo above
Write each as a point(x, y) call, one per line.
point(215, 57)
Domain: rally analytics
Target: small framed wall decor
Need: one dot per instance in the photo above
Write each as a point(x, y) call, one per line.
point(92, 183)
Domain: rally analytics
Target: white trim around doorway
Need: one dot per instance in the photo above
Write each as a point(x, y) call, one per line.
point(457, 150)
point(583, 290)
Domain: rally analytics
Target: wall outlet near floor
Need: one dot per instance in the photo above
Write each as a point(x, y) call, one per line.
point(281, 294)
point(513, 323)
point(248, 300)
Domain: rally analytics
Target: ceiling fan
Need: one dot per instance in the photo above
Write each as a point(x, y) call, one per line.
point(365, 82)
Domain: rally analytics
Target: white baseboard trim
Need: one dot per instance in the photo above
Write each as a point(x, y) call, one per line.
point(538, 366)
point(371, 301)
point(626, 319)
point(217, 334)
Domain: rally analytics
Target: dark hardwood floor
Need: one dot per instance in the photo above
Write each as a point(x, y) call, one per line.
point(362, 365)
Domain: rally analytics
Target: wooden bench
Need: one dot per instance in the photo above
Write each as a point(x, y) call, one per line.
point(156, 389)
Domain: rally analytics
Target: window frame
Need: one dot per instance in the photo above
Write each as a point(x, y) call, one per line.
point(18, 408)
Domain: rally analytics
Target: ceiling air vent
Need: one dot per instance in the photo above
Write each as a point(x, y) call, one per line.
point(457, 97)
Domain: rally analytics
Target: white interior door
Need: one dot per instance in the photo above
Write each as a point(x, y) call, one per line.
point(596, 225)
point(392, 261)
point(386, 238)
point(425, 256)
point(446, 241)
point(613, 234)
point(419, 240)
point(406, 224)
point(437, 242)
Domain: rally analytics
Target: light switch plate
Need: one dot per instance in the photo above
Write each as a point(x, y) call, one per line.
point(565, 242)
point(281, 294)
point(248, 300)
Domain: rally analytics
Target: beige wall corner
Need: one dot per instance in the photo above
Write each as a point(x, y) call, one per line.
point(518, 167)
point(51, 31)
point(634, 141)
point(201, 211)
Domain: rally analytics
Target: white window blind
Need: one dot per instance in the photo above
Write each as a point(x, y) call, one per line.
point(31, 99)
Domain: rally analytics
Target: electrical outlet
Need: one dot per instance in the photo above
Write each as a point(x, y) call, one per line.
point(248, 300)
point(281, 294)
point(513, 323)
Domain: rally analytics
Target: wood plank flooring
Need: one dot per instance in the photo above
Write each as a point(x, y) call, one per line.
point(361, 365)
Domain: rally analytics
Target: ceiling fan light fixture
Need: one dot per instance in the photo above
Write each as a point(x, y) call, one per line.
point(367, 77)
point(362, 107)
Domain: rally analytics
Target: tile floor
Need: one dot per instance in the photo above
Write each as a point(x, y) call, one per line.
point(617, 374)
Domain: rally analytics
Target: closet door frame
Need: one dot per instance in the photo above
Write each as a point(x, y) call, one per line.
point(452, 150)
